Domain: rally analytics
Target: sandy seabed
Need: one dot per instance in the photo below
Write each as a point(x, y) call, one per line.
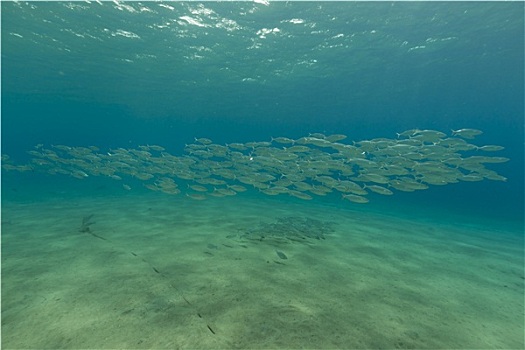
point(155, 271)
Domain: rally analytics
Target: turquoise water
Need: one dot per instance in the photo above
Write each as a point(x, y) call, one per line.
point(116, 75)
point(121, 76)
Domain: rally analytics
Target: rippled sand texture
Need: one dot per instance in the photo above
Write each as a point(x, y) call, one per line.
point(154, 271)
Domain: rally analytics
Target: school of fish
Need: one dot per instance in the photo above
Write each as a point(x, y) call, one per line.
point(314, 165)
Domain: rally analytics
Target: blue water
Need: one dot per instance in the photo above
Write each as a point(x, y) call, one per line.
point(125, 74)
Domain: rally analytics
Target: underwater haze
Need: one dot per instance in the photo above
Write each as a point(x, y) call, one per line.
point(262, 174)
